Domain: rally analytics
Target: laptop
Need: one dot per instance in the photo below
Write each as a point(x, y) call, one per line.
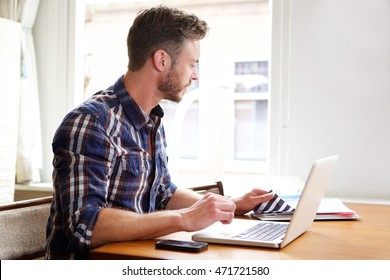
point(273, 234)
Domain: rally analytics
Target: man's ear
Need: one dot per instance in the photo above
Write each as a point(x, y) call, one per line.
point(161, 60)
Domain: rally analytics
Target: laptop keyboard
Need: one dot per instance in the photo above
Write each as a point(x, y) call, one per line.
point(264, 231)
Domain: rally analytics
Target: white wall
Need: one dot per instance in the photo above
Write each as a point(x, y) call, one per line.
point(339, 92)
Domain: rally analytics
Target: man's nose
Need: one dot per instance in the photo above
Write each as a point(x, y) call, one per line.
point(194, 76)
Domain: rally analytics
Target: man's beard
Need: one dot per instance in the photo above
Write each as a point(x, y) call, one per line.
point(171, 88)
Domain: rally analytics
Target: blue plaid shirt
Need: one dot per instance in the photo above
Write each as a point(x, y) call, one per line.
point(102, 159)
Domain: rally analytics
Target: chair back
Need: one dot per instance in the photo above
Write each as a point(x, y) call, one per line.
point(23, 228)
point(215, 188)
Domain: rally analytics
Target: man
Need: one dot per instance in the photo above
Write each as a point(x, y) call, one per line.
point(110, 175)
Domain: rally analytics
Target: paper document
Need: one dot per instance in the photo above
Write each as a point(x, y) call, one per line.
point(282, 208)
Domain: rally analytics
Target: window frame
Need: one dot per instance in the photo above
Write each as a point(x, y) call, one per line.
point(230, 164)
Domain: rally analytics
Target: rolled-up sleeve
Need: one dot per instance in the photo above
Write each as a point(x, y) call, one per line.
point(82, 161)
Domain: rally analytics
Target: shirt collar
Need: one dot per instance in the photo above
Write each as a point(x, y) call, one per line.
point(134, 112)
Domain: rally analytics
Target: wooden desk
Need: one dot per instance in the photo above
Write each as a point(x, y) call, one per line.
point(368, 238)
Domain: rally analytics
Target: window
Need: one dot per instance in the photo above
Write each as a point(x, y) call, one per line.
point(251, 130)
point(248, 137)
point(251, 110)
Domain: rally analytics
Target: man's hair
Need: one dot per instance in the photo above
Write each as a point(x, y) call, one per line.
point(164, 28)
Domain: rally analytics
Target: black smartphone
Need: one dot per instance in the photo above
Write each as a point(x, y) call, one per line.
point(184, 246)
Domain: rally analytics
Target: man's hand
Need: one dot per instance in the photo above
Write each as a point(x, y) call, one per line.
point(209, 209)
point(249, 201)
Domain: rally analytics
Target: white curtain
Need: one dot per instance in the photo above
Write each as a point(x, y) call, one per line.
point(10, 36)
point(29, 152)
